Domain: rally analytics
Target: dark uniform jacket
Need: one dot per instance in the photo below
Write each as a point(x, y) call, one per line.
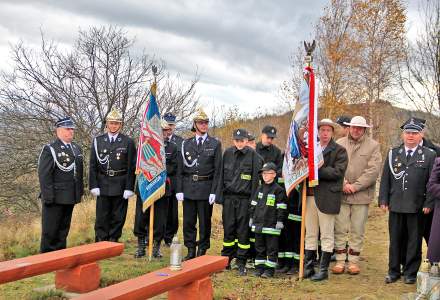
point(328, 193)
point(406, 192)
point(239, 175)
point(174, 168)
point(177, 139)
point(201, 178)
point(271, 154)
point(58, 186)
point(121, 156)
point(268, 206)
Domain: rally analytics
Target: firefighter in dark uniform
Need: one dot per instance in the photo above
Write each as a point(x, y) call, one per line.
point(60, 172)
point(289, 244)
point(173, 212)
point(202, 161)
point(268, 151)
point(161, 206)
point(267, 213)
point(239, 181)
point(111, 178)
point(403, 193)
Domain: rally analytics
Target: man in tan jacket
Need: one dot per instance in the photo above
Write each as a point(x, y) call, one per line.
point(364, 163)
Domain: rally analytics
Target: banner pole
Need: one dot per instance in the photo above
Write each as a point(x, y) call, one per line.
point(303, 229)
point(150, 233)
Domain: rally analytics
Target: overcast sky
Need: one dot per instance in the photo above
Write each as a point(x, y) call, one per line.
point(240, 48)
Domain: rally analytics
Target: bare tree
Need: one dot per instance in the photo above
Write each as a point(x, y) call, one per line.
point(420, 73)
point(100, 72)
point(289, 89)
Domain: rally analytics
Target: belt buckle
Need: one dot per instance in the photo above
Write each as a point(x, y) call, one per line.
point(111, 173)
point(195, 177)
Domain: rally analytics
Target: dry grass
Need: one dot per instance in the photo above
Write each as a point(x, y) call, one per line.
point(21, 238)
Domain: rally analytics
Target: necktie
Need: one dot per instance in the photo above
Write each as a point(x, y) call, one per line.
point(408, 155)
point(200, 143)
point(112, 140)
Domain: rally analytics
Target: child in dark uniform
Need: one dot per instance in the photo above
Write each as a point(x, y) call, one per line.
point(267, 213)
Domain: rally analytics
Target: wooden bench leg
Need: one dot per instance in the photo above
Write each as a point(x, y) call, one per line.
point(197, 290)
point(81, 279)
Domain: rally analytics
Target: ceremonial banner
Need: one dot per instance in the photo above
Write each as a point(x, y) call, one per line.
point(150, 164)
point(303, 153)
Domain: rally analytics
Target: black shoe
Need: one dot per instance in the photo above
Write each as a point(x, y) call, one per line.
point(280, 265)
point(323, 267)
point(242, 271)
point(201, 252)
point(293, 270)
point(156, 250)
point(191, 254)
point(333, 258)
point(283, 270)
point(259, 270)
point(309, 267)
point(409, 280)
point(391, 278)
point(140, 252)
point(268, 273)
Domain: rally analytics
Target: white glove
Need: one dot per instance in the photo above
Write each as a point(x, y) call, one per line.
point(279, 225)
point(251, 221)
point(95, 192)
point(211, 199)
point(127, 194)
point(179, 196)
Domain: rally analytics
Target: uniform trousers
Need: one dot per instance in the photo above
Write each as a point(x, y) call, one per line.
point(350, 226)
point(194, 210)
point(111, 212)
point(142, 219)
point(172, 225)
point(317, 223)
point(55, 226)
point(235, 216)
point(406, 231)
point(290, 239)
point(266, 246)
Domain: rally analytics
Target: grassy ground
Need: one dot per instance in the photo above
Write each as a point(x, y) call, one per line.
point(21, 238)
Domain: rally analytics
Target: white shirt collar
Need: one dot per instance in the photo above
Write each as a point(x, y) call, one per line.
point(413, 150)
point(112, 135)
point(202, 136)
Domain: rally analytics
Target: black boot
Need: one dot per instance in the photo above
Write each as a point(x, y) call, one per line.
point(268, 273)
point(191, 254)
point(259, 270)
point(293, 268)
point(285, 265)
point(309, 256)
point(201, 252)
point(242, 271)
point(140, 252)
point(156, 249)
point(323, 267)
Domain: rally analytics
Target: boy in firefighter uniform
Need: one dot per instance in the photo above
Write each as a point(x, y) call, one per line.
point(267, 213)
point(239, 181)
point(161, 206)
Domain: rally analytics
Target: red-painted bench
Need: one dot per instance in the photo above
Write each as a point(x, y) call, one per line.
point(193, 282)
point(76, 267)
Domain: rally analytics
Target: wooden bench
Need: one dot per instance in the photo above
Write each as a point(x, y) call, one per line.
point(77, 270)
point(193, 282)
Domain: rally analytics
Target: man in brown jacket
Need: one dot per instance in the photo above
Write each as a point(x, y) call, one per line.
point(364, 163)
